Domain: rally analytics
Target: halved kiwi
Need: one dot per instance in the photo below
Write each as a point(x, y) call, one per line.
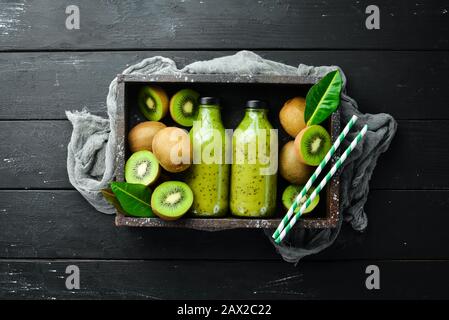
point(153, 102)
point(142, 167)
point(312, 143)
point(184, 107)
point(171, 200)
point(291, 192)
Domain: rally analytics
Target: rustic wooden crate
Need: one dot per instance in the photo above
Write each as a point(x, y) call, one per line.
point(233, 91)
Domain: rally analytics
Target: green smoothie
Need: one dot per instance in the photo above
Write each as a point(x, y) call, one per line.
point(208, 176)
point(254, 165)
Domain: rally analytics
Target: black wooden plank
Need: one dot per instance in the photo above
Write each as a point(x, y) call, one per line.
point(409, 85)
point(60, 224)
point(201, 24)
point(418, 157)
point(34, 156)
point(401, 224)
point(42, 279)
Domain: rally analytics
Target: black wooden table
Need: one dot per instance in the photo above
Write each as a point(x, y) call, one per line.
point(45, 225)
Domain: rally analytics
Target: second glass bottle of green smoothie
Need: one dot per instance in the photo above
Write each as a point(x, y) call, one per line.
point(254, 166)
point(208, 176)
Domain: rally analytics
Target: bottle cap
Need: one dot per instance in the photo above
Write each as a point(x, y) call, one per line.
point(256, 104)
point(209, 101)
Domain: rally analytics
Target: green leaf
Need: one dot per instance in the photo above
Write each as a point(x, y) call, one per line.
point(323, 98)
point(112, 199)
point(134, 198)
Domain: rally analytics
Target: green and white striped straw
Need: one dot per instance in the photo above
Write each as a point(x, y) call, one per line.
point(323, 182)
point(314, 176)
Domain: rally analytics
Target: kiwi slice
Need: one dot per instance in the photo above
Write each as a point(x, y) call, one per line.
point(291, 192)
point(313, 143)
point(142, 167)
point(184, 107)
point(171, 200)
point(153, 102)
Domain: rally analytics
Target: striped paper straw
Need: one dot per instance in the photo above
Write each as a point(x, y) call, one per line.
point(323, 182)
point(314, 176)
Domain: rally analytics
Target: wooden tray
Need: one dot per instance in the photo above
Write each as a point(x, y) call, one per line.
point(233, 92)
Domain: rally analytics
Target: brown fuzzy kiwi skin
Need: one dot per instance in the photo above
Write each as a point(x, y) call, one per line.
point(164, 141)
point(298, 145)
point(290, 167)
point(141, 136)
point(161, 215)
point(291, 116)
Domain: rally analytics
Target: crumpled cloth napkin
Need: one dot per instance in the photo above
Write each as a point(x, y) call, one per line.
point(92, 147)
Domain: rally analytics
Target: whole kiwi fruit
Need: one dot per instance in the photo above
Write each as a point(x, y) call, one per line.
point(141, 136)
point(290, 167)
point(172, 148)
point(291, 115)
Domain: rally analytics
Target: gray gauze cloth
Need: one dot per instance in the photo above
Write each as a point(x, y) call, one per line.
point(92, 148)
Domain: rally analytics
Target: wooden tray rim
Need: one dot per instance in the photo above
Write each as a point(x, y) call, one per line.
point(216, 224)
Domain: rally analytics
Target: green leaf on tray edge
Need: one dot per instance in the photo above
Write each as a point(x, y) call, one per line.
point(323, 98)
point(112, 199)
point(133, 198)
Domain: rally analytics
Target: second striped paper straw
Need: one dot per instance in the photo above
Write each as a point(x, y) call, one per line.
point(323, 182)
point(314, 176)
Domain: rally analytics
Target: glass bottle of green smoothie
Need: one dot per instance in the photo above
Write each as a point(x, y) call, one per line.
point(254, 166)
point(208, 176)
